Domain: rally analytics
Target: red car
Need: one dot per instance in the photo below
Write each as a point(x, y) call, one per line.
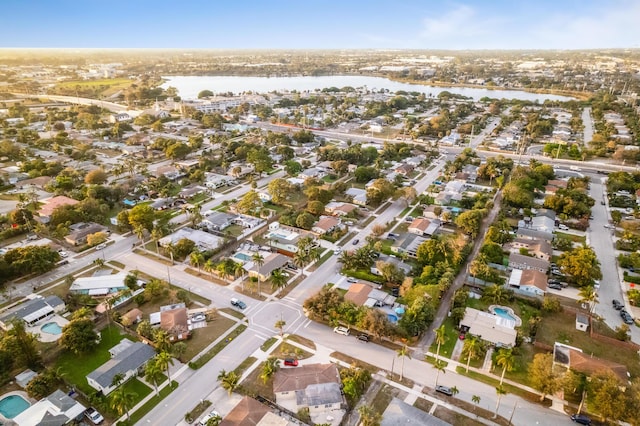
point(462, 336)
point(291, 362)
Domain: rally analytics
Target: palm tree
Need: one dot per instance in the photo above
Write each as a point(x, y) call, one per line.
point(196, 258)
point(440, 338)
point(210, 266)
point(269, 368)
point(153, 374)
point(221, 269)
point(164, 360)
point(403, 353)
point(589, 296)
point(99, 262)
point(121, 401)
point(229, 381)
point(117, 380)
point(278, 279)
point(455, 391)
point(505, 360)
point(238, 270)
point(280, 326)
point(440, 367)
point(497, 294)
point(368, 416)
point(500, 391)
point(471, 349)
point(476, 400)
point(258, 260)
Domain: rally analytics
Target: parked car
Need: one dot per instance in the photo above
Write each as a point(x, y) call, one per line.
point(395, 291)
point(351, 280)
point(337, 251)
point(94, 416)
point(563, 227)
point(356, 241)
point(101, 246)
point(581, 419)
point(555, 286)
point(208, 417)
point(290, 362)
point(616, 304)
point(553, 281)
point(198, 318)
point(341, 330)
point(444, 389)
point(628, 319)
point(603, 203)
point(363, 337)
point(238, 303)
point(63, 253)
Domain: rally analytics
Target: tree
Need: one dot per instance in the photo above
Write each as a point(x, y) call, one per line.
point(178, 349)
point(229, 381)
point(582, 264)
point(280, 324)
point(542, 376)
point(472, 348)
point(476, 400)
point(153, 374)
point(122, 400)
point(205, 94)
point(278, 279)
point(178, 150)
point(607, 395)
point(293, 168)
point(43, 384)
point(79, 336)
point(279, 189)
point(469, 221)
point(589, 296)
point(162, 340)
point(22, 345)
point(164, 360)
point(249, 202)
point(269, 368)
point(142, 216)
point(368, 416)
point(440, 339)
point(497, 294)
point(196, 258)
point(305, 220)
point(96, 177)
point(96, 238)
point(403, 353)
point(440, 367)
point(500, 391)
point(506, 360)
point(616, 217)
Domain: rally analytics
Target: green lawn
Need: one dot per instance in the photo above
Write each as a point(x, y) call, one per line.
point(148, 406)
point(138, 388)
point(74, 368)
point(451, 337)
point(574, 238)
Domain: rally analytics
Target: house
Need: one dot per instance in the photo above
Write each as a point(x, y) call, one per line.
point(529, 282)
point(399, 412)
point(80, 232)
point(398, 263)
point(429, 212)
point(313, 386)
point(407, 243)
point(540, 249)
point(424, 227)
point(176, 323)
point(271, 263)
point(99, 285)
point(218, 221)
point(488, 327)
point(32, 311)
point(249, 412)
point(363, 294)
point(55, 410)
point(326, 225)
point(265, 197)
point(575, 359)
point(404, 169)
point(582, 322)
point(472, 172)
point(520, 261)
point(39, 182)
point(134, 316)
point(203, 240)
point(528, 233)
point(50, 204)
point(127, 358)
point(213, 180)
point(283, 238)
point(339, 209)
point(358, 196)
point(190, 192)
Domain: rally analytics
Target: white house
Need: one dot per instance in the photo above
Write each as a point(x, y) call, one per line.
point(56, 409)
point(529, 282)
point(100, 285)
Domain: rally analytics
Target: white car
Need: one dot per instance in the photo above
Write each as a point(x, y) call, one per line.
point(198, 317)
point(101, 246)
point(63, 253)
point(93, 415)
point(341, 330)
point(208, 417)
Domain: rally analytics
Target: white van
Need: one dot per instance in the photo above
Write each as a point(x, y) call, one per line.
point(563, 227)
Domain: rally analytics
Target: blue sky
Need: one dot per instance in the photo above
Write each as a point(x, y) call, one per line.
point(319, 24)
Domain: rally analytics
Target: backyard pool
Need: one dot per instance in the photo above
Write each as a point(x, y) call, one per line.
point(52, 328)
point(242, 256)
point(393, 318)
point(12, 405)
point(506, 313)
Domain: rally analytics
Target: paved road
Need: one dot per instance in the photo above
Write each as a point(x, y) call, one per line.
point(477, 140)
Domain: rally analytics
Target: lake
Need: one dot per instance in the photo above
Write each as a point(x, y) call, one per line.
point(189, 86)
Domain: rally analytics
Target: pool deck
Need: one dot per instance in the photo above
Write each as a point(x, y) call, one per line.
point(516, 319)
point(47, 337)
point(23, 394)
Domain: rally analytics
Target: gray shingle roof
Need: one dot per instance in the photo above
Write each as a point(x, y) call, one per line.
point(131, 358)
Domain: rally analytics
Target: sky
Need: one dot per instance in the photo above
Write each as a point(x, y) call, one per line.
point(321, 24)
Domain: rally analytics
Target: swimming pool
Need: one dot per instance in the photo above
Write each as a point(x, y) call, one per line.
point(52, 328)
point(392, 318)
point(242, 256)
point(12, 405)
point(501, 312)
point(276, 235)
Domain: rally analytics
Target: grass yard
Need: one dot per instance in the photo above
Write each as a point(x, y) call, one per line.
point(383, 398)
point(451, 338)
point(287, 350)
point(286, 290)
point(151, 403)
point(233, 312)
point(267, 344)
point(531, 397)
point(75, 367)
point(202, 337)
point(253, 385)
point(198, 363)
point(349, 360)
point(302, 340)
point(560, 327)
point(138, 388)
point(239, 370)
point(574, 238)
